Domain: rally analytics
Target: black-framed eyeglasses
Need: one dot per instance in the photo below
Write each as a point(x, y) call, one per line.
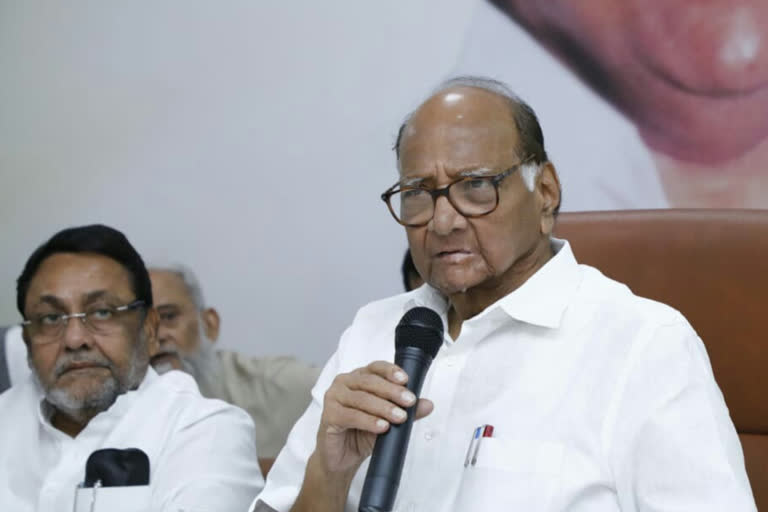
point(48, 327)
point(471, 196)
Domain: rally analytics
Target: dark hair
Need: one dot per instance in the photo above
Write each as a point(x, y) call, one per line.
point(408, 268)
point(97, 239)
point(524, 117)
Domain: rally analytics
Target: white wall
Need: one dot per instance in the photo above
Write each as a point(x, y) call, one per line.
point(250, 140)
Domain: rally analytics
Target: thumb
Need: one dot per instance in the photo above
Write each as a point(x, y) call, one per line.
point(424, 407)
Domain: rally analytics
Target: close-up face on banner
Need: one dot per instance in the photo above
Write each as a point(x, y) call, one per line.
point(690, 77)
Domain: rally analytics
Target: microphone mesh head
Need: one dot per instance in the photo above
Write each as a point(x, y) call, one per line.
point(422, 328)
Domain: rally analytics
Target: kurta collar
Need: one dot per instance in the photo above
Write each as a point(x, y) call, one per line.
point(541, 300)
point(544, 297)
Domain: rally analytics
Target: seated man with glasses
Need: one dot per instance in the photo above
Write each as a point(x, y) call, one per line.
point(90, 329)
point(598, 400)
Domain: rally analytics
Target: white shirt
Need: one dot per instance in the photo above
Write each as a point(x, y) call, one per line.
point(16, 355)
point(601, 401)
point(202, 452)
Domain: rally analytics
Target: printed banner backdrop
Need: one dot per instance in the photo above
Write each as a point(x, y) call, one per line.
point(644, 103)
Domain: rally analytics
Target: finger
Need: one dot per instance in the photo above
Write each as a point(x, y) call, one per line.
point(379, 386)
point(424, 408)
point(389, 371)
point(339, 418)
point(371, 404)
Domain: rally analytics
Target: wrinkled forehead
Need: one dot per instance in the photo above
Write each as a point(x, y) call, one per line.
point(460, 128)
point(168, 287)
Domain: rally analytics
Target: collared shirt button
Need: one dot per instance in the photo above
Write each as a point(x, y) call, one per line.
point(429, 435)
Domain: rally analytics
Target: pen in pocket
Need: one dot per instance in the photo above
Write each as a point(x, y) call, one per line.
point(472, 441)
point(487, 432)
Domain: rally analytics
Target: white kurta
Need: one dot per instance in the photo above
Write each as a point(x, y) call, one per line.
point(202, 452)
point(601, 401)
point(15, 355)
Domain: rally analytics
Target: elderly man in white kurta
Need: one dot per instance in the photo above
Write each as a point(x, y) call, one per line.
point(601, 401)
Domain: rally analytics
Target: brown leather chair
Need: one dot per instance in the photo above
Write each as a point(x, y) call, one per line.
point(712, 265)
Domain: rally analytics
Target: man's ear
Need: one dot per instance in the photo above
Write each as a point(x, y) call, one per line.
point(150, 327)
point(548, 192)
point(211, 323)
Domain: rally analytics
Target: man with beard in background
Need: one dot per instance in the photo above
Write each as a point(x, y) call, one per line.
point(273, 390)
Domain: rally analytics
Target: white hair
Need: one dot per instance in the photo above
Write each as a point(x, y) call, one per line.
point(202, 364)
point(189, 279)
point(530, 173)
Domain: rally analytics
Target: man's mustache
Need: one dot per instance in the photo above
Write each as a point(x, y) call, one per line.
point(168, 350)
point(68, 363)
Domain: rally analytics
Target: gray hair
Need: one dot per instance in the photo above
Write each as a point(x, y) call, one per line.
point(527, 124)
point(202, 364)
point(189, 279)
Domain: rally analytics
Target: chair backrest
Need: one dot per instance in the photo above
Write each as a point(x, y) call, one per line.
point(712, 265)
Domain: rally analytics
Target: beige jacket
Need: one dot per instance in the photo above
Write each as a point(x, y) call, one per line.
point(274, 391)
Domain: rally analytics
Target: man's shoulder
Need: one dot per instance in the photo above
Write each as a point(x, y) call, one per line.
point(18, 402)
point(611, 297)
point(174, 382)
point(197, 446)
point(13, 351)
point(15, 396)
point(181, 396)
point(370, 336)
point(285, 370)
point(389, 309)
point(230, 359)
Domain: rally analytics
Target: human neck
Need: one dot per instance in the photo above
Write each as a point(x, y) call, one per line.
point(72, 426)
point(465, 305)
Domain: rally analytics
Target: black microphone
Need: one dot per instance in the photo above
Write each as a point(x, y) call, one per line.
point(418, 337)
